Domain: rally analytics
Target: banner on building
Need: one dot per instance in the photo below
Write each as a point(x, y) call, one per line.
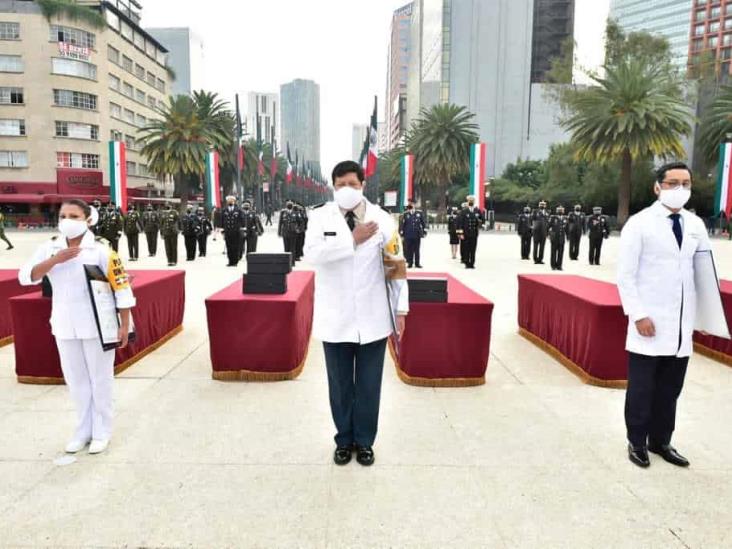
point(213, 187)
point(723, 196)
point(118, 174)
point(390, 199)
point(407, 179)
point(477, 173)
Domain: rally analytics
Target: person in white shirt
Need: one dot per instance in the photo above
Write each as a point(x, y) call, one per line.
point(656, 285)
point(345, 241)
point(88, 369)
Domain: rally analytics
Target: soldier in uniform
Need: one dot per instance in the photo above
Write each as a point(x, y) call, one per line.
point(112, 226)
point(2, 231)
point(470, 221)
point(412, 228)
point(599, 229)
point(190, 228)
point(523, 227)
point(576, 227)
point(252, 228)
point(169, 226)
point(232, 221)
point(286, 229)
point(452, 217)
point(557, 238)
point(539, 221)
point(462, 241)
point(133, 227)
point(151, 226)
point(206, 228)
point(301, 230)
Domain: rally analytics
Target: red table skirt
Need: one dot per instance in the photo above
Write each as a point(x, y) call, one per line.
point(261, 337)
point(158, 316)
point(579, 321)
point(716, 347)
point(446, 344)
point(9, 287)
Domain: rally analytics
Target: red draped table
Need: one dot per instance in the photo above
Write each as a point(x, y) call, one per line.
point(261, 337)
point(716, 347)
point(446, 344)
point(9, 287)
point(158, 316)
point(579, 321)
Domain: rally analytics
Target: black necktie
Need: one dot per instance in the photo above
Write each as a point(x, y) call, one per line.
point(678, 233)
point(351, 220)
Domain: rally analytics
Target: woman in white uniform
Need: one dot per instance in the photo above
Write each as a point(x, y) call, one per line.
point(88, 369)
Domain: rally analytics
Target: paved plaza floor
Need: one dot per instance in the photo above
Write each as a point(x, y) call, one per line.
point(534, 458)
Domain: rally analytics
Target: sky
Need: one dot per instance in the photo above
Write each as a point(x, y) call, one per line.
point(257, 45)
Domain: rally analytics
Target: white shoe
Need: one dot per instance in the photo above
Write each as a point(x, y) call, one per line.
point(98, 446)
point(76, 446)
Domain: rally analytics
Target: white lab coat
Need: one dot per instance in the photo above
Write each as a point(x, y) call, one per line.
point(656, 279)
point(350, 293)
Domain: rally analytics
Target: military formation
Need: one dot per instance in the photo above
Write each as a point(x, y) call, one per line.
point(292, 226)
point(562, 230)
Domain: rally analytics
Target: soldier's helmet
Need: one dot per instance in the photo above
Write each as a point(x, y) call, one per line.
point(527, 209)
point(542, 204)
point(560, 210)
point(597, 210)
point(577, 207)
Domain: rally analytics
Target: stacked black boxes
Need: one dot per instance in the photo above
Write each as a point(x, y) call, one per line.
point(427, 290)
point(267, 273)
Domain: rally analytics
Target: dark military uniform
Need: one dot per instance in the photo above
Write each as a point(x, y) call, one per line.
point(412, 228)
point(206, 228)
point(469, 223)
point(599, 230)
point(190, 227)
point(112, 227)
point(151, 226)
point(523, 228)
point(232, 221)
point(575, 229)
point(133, 226)
point(2, 231)
point(169, 226)
point(557, 238)
point(301, 227)
point(252, 231)
point(539, 222)
point(286, 229)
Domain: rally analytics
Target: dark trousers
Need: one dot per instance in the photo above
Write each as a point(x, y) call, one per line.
point(152, 243)
point(411, 251)
point(292, 243)
point(171, 248)
point(471, 244)
point(595, 249)
point(299, 245)
point(269, 220)
point(574, 242)
point(114, 242)
point(526, 246)
point(462, 250)
point(250, 245)
point(190, 242)
point(202, 242)
point(233, 247)
point(5, 238)
point(133, 245)
point(539, 243)
point(654, 386)
point(556, 251)
point(354, 384)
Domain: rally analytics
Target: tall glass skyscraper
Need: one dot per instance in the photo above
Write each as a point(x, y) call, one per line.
point(300, 112)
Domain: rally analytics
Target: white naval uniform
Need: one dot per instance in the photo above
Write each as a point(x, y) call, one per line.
point(656, 279)
point(88, 369)
point(351, 305)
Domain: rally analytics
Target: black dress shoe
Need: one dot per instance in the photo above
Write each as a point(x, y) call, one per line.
point(419, 266)
point(342, 455)
point(669, 453)
point(639, 456)
point(365, 455)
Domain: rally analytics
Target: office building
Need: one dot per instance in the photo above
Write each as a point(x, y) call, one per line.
point(360, 131)
point(300, 123)
point(711, 33)
point(267, 107)
point(396, 79)
point(185, 57)
point(553, 26)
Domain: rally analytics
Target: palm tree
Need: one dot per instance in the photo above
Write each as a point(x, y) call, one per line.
point(635, 112)
point(716, 125)
point(440, 139)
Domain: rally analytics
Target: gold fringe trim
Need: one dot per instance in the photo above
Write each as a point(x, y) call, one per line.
point(250, 375)
point(433, 382)
point(713, 354)
point(6, 341)
point(118, 369)
point(571, 366)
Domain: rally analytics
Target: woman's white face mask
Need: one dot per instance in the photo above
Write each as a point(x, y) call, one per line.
point(72, 228)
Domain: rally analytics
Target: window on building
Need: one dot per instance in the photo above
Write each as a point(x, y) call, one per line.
point(76, 130)
point(160, 85)
point(140, 96)
point(113, 55)
point(126, 31)
point(727, 40)
point(131, 168)
point(713, 42)
point(13, 159)
point(77, 160)
point(114, 82)
point(727, 53)
point(112, 19)
point(72, 67)
point(115, 111)
point(161, 57)
point(701, 15)
point(139, 40)
point(128, 90)
point(697, 45)
point(9, 30)
point(77, 100)
point(151, 79)
point(130, 142)
point(141, 121)
point(150, 49)
point(714, 26)
point(11, 63)
point(140, 71)
point(12, 127)
point(728, 23)
point(70, 35)
point(699, 30)
point(151, 102)
point(715, 12)
point(11, 96)
point(115, 135)
point(129, 116)
point(127, 63)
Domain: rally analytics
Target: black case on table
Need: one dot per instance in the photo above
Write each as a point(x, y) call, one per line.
point(264, 283)
point(264, 263)
point(427, 290)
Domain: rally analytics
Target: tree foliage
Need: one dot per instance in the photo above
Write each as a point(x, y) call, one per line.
point(72, 10)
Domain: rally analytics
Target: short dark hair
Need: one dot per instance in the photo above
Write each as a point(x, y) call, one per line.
point(346, 167)
point(661, 172)
point(86, 208)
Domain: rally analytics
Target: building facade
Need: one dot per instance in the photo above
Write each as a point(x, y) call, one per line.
point(396, 78)
point(185, 57)
point(267, 107)
point(553, 26)
point(66, 89)
point(711, 34)
point(358, 138)
point(300, 123)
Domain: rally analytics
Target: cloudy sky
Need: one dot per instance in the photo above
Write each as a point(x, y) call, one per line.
point(341, 44)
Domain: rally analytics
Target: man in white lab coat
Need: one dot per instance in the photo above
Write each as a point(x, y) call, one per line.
point(656, 285)
point(345, 241)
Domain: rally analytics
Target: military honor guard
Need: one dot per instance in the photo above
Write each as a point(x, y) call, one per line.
point(206, 228)
point(169, 227)
point(523, 228)
point(191, 229)
point(133, 228)
point(287, 226)
point(599, 230)
point(232, 221)
point(539, 231)
point(2, 232)
point(412, 228)
point(557, 237)
point(112, 226)
point(452, 221)
point(151, 226)
point(576, 226)
point(301, 225)
point(253, 228)
point(88, 369)
point(470, 221)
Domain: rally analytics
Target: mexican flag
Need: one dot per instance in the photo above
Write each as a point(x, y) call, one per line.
point(372, 158)
point(288, 176)
point(260, 166)
point(213, 189)
point(477, 173)
point(118, 174)
point(407, 188)
point(723, 196)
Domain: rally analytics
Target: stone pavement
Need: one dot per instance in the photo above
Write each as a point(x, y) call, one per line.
point(534, 458)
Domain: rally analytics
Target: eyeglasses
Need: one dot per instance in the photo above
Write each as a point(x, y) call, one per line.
point(675, 184)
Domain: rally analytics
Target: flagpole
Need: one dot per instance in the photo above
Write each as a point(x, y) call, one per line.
point(237, 191)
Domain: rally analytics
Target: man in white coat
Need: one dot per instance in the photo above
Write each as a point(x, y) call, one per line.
point(656, 285)
point(345, 242)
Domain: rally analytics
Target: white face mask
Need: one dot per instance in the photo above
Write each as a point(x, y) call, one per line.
point(348, 198)
point(72, 228)
point(674, 198)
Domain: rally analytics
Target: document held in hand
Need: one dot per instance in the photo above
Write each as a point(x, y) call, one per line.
point(105, 308)
point(710, 317)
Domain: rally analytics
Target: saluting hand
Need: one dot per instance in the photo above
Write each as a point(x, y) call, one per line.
point(365, 231)
point(645, 327)
point(65, 255)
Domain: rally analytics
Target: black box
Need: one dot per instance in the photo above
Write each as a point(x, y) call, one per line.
point(262, 263)
point(427, 290)
point(264, 284)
